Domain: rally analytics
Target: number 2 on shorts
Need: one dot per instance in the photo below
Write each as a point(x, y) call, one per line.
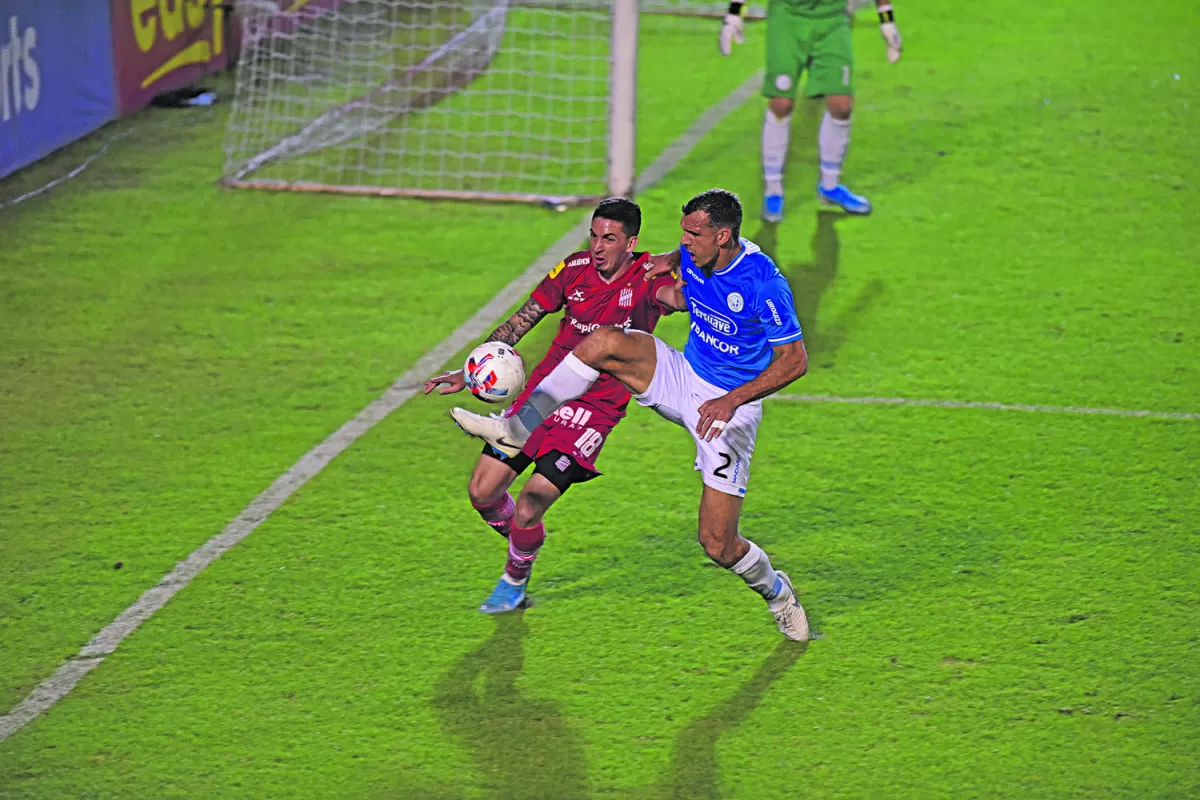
point(719, 472)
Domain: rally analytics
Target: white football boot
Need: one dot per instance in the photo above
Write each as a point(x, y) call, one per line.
point(790, 617)
point(493, 429)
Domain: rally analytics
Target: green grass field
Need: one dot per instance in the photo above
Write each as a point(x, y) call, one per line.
point(1007, 602)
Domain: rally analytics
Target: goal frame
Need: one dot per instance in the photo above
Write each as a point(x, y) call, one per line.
point(622, 136)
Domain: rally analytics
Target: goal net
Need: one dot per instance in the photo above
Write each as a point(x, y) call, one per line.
point(527, 100)
point(485, 99)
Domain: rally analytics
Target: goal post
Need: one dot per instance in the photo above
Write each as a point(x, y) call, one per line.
point(622, 125)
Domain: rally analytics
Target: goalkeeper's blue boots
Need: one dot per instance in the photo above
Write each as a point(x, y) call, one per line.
point(504, 598)
point(772, 210)
point(840, 196)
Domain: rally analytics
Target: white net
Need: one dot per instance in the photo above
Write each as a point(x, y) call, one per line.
point(677, 8)
point(471, 98)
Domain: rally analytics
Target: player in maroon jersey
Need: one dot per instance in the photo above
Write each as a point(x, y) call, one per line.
point(596, 288)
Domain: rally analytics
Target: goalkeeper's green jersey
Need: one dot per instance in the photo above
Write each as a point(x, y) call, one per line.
point(814, 8)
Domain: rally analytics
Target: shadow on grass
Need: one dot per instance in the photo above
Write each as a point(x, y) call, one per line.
point(694, 773)
point(810, 280)
point(522, 746)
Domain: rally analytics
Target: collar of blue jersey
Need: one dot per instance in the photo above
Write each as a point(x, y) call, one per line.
point(748, 248)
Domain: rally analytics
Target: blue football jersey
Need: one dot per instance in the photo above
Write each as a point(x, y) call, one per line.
point(738, 314)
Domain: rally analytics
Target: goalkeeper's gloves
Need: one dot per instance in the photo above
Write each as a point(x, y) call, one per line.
point(733, 30)
point(891, 35)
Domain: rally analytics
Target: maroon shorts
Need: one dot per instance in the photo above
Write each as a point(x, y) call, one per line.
point(566, 445)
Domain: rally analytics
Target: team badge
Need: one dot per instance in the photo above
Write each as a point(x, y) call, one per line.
point(735, 301)
point(626, 298)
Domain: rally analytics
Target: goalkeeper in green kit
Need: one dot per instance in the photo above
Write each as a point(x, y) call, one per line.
point(812, 36)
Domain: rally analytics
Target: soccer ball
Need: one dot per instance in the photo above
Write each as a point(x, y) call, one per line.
point(494, 372)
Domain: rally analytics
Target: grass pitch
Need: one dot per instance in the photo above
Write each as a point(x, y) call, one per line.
point(1007, 602)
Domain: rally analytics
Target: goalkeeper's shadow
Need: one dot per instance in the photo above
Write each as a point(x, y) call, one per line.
point(811, 280)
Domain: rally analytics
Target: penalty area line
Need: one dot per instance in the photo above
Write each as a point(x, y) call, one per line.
point(104, 643)
point(1036, 409)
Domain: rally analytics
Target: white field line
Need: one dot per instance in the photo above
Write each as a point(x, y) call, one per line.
point(54, 688)
point(908, 401)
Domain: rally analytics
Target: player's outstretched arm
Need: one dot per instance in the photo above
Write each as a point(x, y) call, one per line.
point(519, 324)
point(791, 362)
point(509, 332)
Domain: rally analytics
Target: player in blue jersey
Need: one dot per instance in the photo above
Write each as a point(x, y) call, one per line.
point(745, 343)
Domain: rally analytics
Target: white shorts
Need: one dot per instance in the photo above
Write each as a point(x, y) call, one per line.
point(677, 392)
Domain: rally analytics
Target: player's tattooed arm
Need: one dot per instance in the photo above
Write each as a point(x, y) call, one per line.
point(519, 324)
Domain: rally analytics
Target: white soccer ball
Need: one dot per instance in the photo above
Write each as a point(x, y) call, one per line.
point(494, 372)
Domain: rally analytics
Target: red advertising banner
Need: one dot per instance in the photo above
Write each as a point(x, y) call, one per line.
point(161, 45)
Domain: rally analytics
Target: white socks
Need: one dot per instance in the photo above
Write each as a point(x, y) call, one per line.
point(568, 381)
point(756, 570)
point(775, 134)
point(832, 141)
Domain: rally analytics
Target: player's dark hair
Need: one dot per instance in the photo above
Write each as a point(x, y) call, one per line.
point(723, 208)
point(622, 210)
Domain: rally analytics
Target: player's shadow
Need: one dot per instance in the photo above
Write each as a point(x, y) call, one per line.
point(693, 773)
point(810, 280)
point(521, 745)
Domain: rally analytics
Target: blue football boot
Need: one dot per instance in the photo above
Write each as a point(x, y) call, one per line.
point(504, 598)
point(840, 196)
point(772, 209)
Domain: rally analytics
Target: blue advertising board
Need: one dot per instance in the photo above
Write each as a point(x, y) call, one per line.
point(56, 76)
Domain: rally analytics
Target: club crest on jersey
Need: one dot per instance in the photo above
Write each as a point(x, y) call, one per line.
point(736, 303)
point(626, 298)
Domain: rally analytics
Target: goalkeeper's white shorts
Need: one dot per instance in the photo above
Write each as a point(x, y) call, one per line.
point(676, 392)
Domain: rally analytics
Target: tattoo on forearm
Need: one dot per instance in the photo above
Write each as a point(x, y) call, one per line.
point(519, 324)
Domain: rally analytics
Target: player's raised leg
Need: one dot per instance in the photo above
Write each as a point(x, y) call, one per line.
point(528, 533)
point(629, 356)
point(719, 536)
point(488, 492)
